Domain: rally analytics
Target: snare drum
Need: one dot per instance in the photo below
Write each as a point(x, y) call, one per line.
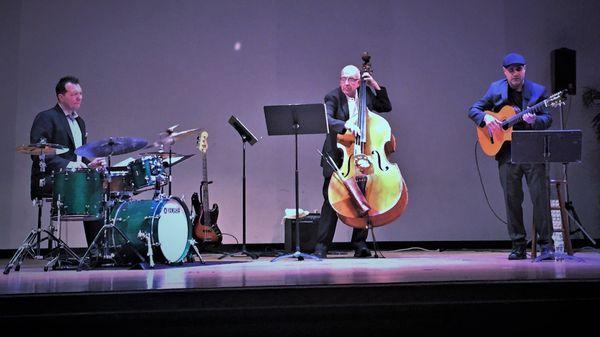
point(145, 173)
point(164, 221)
point(80, 193)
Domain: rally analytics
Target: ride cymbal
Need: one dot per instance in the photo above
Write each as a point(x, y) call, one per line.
point(110, 147)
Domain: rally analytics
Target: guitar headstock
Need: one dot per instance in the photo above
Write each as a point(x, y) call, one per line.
point(557, 99)
point(202, 141)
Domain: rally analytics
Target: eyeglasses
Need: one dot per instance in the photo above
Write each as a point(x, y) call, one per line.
point(345, 79)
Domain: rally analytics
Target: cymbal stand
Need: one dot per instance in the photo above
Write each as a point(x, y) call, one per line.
point(170, 168)
point(107, 230)
point(57, 261)
point(32, 244)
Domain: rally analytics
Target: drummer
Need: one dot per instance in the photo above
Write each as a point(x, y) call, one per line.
point(62, 125)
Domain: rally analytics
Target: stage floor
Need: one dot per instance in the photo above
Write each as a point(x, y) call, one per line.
point(398, 267)
point(413, 293)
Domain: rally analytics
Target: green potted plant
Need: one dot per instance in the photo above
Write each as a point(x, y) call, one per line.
point(591, 100)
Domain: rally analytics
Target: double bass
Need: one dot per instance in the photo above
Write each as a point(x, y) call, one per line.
point(367, 190)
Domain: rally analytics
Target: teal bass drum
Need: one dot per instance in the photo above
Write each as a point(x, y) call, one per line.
point(164, 222)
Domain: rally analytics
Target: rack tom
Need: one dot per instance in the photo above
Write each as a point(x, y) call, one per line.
point(146, 172)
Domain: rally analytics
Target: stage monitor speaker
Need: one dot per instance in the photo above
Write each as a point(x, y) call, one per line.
point(564, 70)
point(309, 226)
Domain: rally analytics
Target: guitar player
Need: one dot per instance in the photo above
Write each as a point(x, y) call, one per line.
point(519, 93)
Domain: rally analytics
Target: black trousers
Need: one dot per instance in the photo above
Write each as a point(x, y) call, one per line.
point(328, 223)
point(511, 179)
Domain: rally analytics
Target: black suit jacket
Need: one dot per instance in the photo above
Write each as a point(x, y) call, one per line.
point(337, 115)
point(52, 125)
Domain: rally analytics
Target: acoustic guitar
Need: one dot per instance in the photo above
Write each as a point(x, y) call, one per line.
point(205, 228)
point(492, 142)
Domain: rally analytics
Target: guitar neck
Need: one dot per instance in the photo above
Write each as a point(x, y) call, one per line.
point(518, 117)
point(205, 202)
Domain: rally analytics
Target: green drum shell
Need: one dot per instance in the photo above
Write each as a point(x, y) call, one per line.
point(81, 193)
point(144, 172)
point(134, 216)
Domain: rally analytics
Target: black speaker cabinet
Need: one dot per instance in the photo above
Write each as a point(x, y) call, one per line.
point(308, 233)
point(564, 70)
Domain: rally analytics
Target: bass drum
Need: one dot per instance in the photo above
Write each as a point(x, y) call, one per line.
point(165, 222)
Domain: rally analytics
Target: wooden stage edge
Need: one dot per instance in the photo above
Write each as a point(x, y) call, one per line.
point(417, 293)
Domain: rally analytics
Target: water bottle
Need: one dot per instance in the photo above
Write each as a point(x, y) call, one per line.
point(559, 246)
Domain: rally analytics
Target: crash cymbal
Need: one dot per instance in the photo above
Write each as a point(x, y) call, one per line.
point(37, 149)
point(170, 136)
point(110, 146)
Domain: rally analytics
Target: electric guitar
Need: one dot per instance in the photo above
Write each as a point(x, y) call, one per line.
point(492, 142)
point(205, 229)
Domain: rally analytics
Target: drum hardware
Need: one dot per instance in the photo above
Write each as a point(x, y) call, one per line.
point(193, 244)
point(169, 137)
point(108, 148)
point(31, 246)
point(146, 237)
point(57, 261)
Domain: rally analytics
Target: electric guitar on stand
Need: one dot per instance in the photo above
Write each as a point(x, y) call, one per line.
point(205, 229)
point(492, 142)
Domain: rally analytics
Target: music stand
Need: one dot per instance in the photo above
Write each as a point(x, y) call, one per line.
point(548, 146)
point(247, 137)
point(295, 119)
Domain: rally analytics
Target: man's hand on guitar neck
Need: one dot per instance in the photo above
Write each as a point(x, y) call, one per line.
point(529, 118)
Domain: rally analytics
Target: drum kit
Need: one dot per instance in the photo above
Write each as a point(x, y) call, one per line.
point(158, 227)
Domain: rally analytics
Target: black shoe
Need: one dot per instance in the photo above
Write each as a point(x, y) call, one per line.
point(320, 251)
point(362, 252)
point(547, 253)
point(517, 254)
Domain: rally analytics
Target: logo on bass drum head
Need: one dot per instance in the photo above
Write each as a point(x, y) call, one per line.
point(171, 210)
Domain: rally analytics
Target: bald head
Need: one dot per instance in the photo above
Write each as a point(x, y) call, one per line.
point(350, 71)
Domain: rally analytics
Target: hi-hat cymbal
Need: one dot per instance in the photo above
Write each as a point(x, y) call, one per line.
point(172, 137)
point(37, 149)
point(110, 147)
